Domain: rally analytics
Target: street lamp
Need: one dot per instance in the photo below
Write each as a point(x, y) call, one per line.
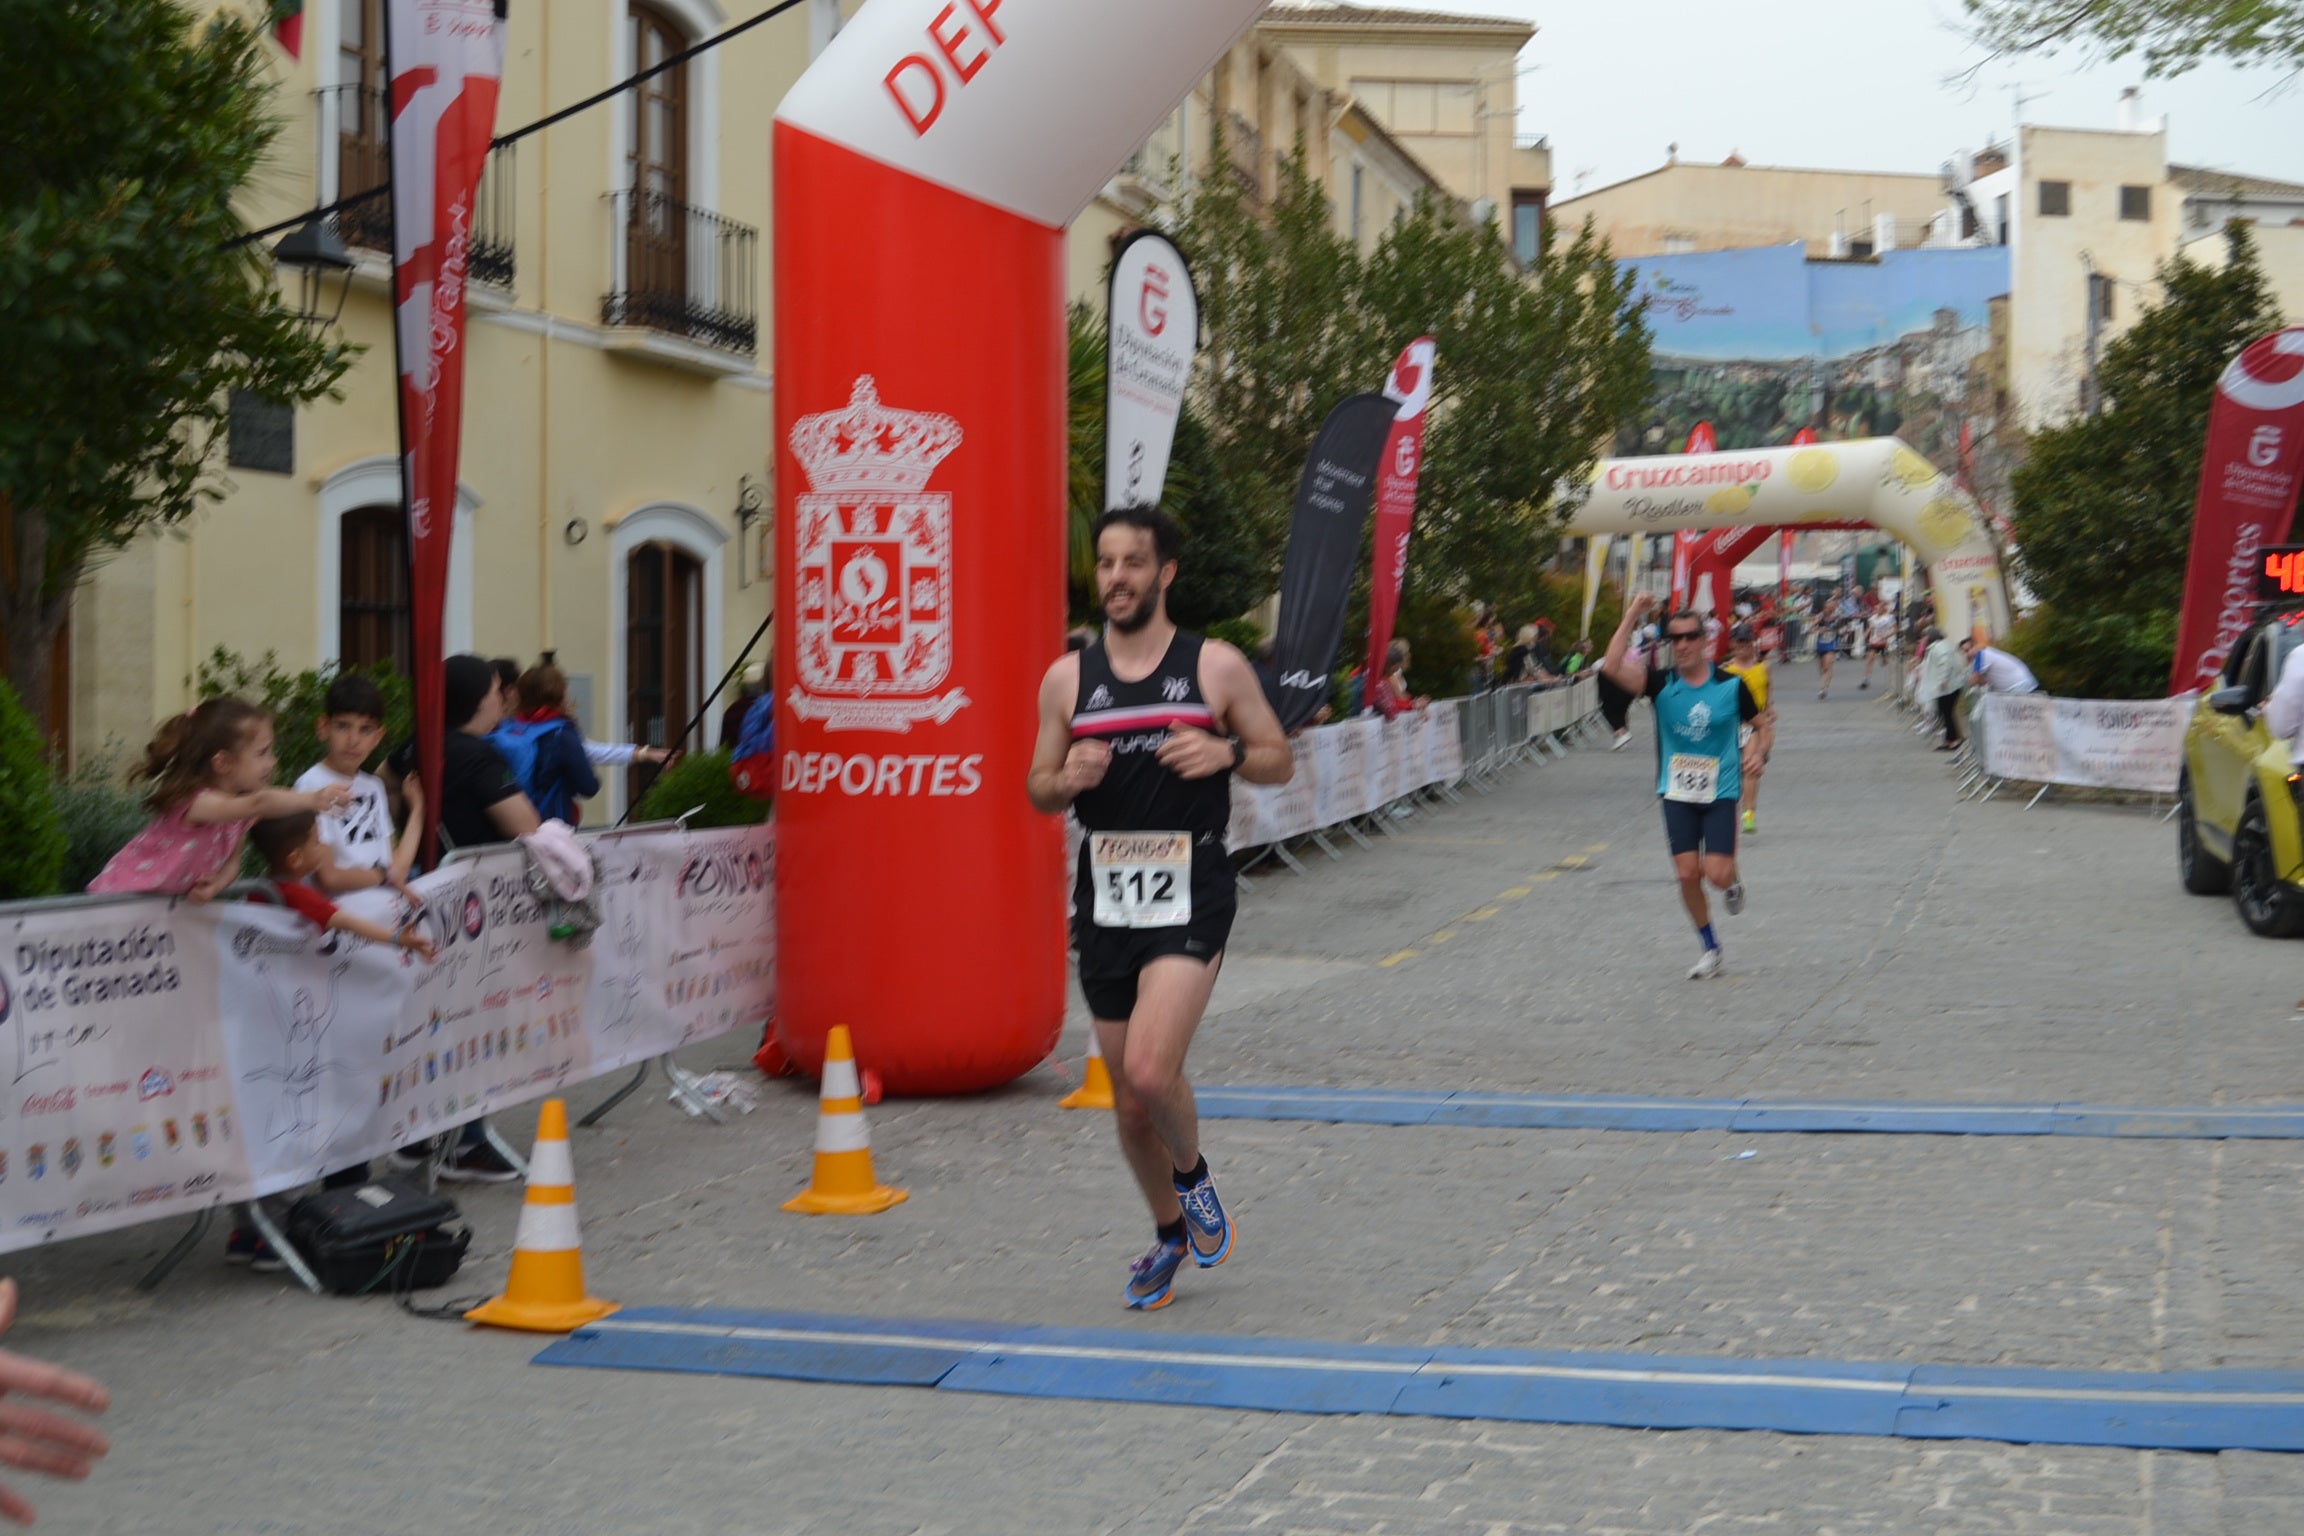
point(313, 251)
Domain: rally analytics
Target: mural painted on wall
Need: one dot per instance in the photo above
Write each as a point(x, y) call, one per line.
point(1762, 342)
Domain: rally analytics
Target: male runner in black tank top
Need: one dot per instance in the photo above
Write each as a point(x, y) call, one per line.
point(1140, 734)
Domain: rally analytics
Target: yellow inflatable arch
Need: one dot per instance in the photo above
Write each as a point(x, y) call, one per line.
point(1876, 480)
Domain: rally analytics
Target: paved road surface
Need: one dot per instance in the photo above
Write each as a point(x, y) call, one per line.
point(1900, 944)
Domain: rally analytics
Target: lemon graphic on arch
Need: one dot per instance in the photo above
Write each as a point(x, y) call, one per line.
point(1729, 500)
point(1909, 467)
point(1812, 470)
point(1945, 523)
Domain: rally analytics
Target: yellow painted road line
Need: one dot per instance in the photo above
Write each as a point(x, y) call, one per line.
point(1396, 957)
point(1517, 892)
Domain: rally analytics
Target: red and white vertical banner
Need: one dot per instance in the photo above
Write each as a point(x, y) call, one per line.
point(1701, 439)
point(2248, 483)
point(925, 168)
point(445, 59)
point(1396, 476)
point(1152, 328)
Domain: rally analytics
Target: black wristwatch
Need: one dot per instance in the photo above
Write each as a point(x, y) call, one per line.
point(1239, 753)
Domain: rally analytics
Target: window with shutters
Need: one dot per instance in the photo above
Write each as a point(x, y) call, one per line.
point(372, 600)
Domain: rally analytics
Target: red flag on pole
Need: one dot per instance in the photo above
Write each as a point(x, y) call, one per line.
point(1800, 439)
point(1396, 475)
point(2248, 483)
point(445, 59)
point(1700, 440)
point(288, 26)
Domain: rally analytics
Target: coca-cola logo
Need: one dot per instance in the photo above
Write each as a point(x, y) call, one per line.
point(54, 1103)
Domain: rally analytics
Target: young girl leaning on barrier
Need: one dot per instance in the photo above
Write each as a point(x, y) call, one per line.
point(211, 775)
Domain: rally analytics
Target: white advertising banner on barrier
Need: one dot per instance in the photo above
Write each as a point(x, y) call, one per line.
point(2134, 744)
point(2020, 736)
point(170, 1056)
point(2122, 743)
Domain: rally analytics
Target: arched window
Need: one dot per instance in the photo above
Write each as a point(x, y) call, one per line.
point(372, 612)
point(663, 649)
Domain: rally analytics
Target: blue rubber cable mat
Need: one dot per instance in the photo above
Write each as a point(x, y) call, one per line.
point(2202, 1411)
point(1611, 1112)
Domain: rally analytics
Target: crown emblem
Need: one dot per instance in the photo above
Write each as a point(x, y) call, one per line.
point(869, 447)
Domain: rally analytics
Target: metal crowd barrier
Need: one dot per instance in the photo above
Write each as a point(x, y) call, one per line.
point(1497, 730)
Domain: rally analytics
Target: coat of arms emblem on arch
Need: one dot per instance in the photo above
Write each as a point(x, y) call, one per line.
point(872, 556)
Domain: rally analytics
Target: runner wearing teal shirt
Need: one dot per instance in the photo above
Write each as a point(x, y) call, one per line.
point(1700, 712)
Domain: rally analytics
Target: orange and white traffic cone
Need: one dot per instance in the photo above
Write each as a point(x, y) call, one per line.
point(1095, 1090)
point(545, 1293)
point(844, 1184)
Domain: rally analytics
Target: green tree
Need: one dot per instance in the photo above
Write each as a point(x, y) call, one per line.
point(1536, 372)
point(1537, 369)
point(1221, 576)
point(2171, 36)
point(32, 854)
point(1279, 295)
point(126, 317)
point(2103, 507)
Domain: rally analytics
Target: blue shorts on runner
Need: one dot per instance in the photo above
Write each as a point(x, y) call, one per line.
point(1711, 828)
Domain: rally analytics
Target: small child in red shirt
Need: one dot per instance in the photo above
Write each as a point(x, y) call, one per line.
point(292, 848)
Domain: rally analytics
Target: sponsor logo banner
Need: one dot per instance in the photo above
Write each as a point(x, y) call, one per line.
point(1331, 511)
point(2249, 476)
point(1153, 327)
point(167, 1057)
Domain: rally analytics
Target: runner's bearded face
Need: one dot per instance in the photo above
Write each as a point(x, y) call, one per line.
point(1131, 583)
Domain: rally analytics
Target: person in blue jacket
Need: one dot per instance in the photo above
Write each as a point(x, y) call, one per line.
point(544, 747)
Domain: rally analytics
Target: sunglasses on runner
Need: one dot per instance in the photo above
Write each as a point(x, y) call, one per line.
point(1683, 634)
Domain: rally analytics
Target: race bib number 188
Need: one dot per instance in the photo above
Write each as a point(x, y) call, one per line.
point(1143, 879)
point(1693, 778)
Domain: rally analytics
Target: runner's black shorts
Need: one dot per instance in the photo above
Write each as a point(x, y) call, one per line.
point(1713, 827)
point(1111, 958)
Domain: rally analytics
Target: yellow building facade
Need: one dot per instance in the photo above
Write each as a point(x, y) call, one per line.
point(615, 478)
point(1681, 207)
point(618, 399)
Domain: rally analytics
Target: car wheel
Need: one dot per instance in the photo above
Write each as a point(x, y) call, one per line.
point(2203, 873)
point(2271, 909)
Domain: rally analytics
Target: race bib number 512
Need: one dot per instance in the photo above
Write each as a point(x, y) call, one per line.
point(1142, 879)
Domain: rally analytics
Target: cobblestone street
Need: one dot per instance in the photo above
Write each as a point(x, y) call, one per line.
point(1900, 945)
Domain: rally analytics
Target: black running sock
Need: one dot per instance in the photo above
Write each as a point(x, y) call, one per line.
point(1199, 1173)
point(1171, 1231)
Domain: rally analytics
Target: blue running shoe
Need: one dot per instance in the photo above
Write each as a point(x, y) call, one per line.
point(1206, 1226)
point(1152, 1278)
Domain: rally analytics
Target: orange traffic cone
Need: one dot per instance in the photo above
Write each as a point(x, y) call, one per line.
point(545, 1293)
point(844, 1184)
point(1095, 1090)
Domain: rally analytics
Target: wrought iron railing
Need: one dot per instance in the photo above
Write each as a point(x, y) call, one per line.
point(356, 127)
point(1246, 143)
point(684, 271)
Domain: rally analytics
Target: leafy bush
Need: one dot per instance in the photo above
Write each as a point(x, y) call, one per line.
point(1240, 633)
point(32, 852)
point(296, 700)
point(1441, 650)
point(701, 780)
point(98, 814)
point(2107, 655)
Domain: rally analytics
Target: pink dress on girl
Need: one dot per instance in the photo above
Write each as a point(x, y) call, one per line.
point(170, 856)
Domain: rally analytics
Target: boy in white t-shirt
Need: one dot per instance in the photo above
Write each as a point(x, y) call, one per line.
point(358, 834)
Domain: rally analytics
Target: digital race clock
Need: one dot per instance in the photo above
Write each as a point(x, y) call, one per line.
point(2280, 573)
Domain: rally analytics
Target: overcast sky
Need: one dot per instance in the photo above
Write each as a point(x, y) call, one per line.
point(1846, 86)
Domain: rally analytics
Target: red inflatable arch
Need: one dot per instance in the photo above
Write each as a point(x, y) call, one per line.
point(925, 167)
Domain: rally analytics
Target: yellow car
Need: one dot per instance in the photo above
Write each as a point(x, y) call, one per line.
point(2237, 824)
